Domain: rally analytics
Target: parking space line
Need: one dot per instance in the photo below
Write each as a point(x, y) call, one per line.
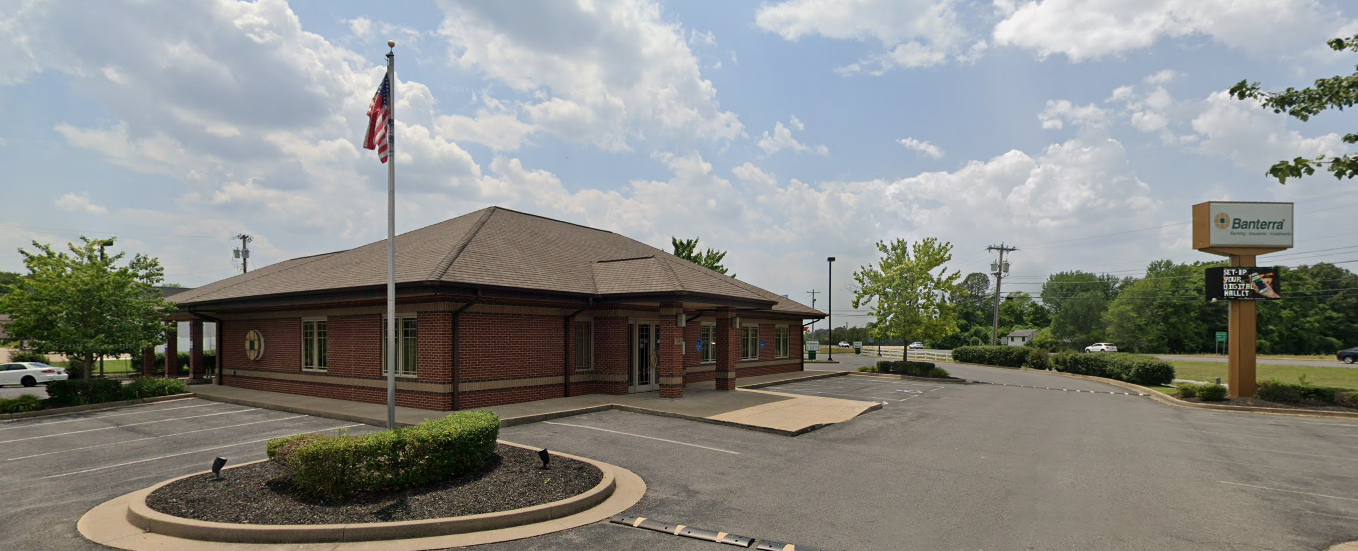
point(641, 436)
point(1288, 468)
point(1214, 433)
point(190, 452)
point(1265, 451)
point(28, 425)
point(1288, 491)
point(153, 438)
point(127, 425)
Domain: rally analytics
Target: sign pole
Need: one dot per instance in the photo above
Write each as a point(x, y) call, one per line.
point(1242, 336)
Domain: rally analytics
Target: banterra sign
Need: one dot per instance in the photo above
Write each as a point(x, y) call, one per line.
point(1251, 225)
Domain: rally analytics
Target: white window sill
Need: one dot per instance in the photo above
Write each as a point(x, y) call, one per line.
point(315, 369)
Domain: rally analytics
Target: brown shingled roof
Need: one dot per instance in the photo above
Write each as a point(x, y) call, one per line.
point(500, 248)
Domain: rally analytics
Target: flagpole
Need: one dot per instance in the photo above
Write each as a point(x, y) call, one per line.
point(391, 236)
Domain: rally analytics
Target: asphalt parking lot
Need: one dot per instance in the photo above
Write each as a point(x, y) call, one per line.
point(17, 391)
point(54, 469)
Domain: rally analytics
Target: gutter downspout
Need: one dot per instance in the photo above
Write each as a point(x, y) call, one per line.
point(566, 352)
point(457, 356)
point(217, 351)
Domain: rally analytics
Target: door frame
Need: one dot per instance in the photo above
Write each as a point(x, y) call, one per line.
point(634, 366)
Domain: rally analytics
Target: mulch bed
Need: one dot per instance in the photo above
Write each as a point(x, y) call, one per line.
point(261, 493)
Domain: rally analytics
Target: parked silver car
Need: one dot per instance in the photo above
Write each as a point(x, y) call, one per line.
point(30, 373)
point(1101, 347)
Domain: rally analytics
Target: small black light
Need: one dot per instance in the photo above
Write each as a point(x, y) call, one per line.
point(545, 457)
point(217, 465)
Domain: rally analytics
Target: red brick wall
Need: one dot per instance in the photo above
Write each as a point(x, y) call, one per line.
point(766, 338)
point(767, 370)
point(490, 398)
point(610, 352)
point(282, 344)
point(354, 346)
point(692, 332)
point(511, 346)
point(434, 356)
point(422, 400)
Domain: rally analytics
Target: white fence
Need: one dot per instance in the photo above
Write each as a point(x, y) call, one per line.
point(919, 355)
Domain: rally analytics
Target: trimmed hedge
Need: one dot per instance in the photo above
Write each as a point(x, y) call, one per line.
point(1132, 368)
point(151, 387)
point(28, 357)
point(25, 402)
point(78, 392)
point(1187, 391)
point(1038, 359)
point(1211, 393)
point(428, 453)
point(1274, 390)
point(913, 369)
point(1003, 356)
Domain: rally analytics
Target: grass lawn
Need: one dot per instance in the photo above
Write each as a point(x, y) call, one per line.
point(1318, 357)
point(1338, 377)
point(110, 366)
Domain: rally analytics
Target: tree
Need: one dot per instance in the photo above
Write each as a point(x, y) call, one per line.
point(83, 304)
point(1160, 312)
point(908, 291)
point(1335, 92)
point(8, 279)
point(687, 249)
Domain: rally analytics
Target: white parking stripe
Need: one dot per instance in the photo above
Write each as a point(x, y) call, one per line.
point(29, 425)
point(1291, 469)
point(189, 452)
point(641, 436)
point(127, 425)
point(1288, 491)
point(1200, 443)
point(1214, 433)
point(153, 438)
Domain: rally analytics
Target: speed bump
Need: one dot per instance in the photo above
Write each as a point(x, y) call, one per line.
point(765, 545)
point(685, 531)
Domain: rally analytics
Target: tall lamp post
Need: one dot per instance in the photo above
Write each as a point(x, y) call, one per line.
point(830, 302)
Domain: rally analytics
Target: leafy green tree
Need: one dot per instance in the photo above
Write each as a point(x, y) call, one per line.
point(1160, 312)
point(1336, 92)
point(1075, 302)
point(7, 280)
point(972, 303)
point(908, 291)
point(83, 304)
point(1318, 313)
point(687, 249)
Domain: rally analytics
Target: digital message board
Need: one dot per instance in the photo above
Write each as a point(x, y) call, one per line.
point(1244, 283)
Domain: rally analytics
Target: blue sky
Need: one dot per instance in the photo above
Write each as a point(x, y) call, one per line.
point(783, 132)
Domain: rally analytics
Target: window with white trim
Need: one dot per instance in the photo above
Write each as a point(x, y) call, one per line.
point(749, 342)
point(407, 345)
point(313, 345)
point(781, 337)
point(707, 334)
point(584, 345)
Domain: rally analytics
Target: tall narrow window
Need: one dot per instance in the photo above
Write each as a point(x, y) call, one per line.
point(313, 345)
point(407, 345)
point(707, 335)
point(749, 349)
point(584, 345)
point(780, 342)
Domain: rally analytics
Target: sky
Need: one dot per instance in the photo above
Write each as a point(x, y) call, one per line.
point(1079, 131)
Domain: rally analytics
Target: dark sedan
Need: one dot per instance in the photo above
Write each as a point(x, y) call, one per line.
point(1348, 356)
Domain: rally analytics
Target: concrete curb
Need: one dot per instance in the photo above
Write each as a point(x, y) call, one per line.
point(810, 377)
point(949, 380)
point(91, 407)
point(128, 523)
point(1170, 400)
point(1348, 546)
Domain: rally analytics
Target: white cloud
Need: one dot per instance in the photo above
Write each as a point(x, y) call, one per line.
point(926, 148)
point(1162, 76)
point(1059, 112)
point(79, 203)
point(1255, 138)
point(362, 27)
point(912, 33)
point(610, 72)
point(1091, 29)
point(781, 139)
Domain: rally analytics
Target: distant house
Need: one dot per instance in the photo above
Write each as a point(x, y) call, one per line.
point(1020, 337)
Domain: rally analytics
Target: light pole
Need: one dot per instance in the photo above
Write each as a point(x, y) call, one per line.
point(830, 301)
point(102, 244)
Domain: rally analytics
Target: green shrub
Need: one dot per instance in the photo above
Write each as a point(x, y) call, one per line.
point(938, 373)
point(1211, 393)
point(25, 402)
point(79, 392)
point(428, 453)
point(1003, 356)
point(1133, 368)
point(28, 357)
point(1274, 390)
point(883, 366)
point(1038, 358)
point(1187, 391)
point(1346, 398)
point(151, 387)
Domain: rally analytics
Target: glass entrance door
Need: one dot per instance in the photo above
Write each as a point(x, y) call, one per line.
point(644, 359)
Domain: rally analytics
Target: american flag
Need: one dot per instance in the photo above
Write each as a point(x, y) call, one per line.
point(378, 113)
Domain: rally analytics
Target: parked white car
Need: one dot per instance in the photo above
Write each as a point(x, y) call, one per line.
point(1101, 347)
point(30, 373)
point(915, 346)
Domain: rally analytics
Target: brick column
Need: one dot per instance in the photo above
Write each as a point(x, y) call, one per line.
point(148, 362)
point(670, 344)
point(611, 348)
point(172, 350)
point(728, 350)
point(196, 368)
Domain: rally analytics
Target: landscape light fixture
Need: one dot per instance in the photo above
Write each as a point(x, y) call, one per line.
point(217, 465)
point(545, 456)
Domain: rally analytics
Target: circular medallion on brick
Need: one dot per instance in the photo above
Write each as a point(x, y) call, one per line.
point(254, 345)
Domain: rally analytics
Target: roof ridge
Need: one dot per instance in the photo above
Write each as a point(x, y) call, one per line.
point(673, 276)
point(447, 262)
point(552, 219)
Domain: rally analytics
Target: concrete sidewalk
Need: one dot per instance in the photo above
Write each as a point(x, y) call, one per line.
point(786, 414)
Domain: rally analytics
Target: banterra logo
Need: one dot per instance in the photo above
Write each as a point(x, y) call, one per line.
point(1224, 221)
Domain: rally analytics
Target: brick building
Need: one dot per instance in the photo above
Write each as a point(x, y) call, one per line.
point(493, 307)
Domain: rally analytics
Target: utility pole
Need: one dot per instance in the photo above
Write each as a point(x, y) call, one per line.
point(813, 293)
point(243, 253)
point(999, 268)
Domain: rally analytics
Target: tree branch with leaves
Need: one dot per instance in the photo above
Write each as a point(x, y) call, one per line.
point(687, 249)
point(908, 291)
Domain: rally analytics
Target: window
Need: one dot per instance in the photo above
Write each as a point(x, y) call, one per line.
point(584, 345)
point(406, 347)
point(707, 335)
point(780, 342)
point(313, 345)
point(749, 342)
